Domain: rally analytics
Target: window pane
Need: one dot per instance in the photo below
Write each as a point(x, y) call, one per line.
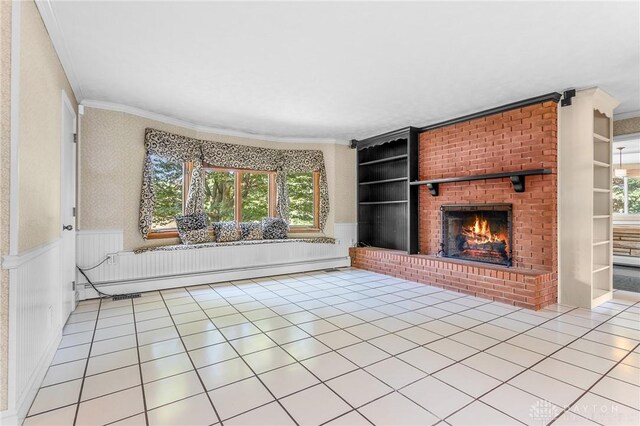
point(219, 195)
point(301, 187)
point(618, 195)
point(633, 194)
point(255, 196)
point(167, 184)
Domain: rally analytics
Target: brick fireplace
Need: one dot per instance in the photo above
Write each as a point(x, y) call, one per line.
point(515, 140)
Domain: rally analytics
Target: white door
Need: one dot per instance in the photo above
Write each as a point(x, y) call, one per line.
point(68, 204)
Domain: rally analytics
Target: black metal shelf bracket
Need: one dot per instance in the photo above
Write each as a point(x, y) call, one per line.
point(517, 179)
point(518, 183)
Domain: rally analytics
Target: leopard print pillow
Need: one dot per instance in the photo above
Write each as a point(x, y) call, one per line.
point(192, 229)
point(225, 231)
point(251, 231)
point(274, 228)
point(196, 236)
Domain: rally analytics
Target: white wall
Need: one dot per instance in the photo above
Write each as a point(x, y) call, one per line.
point(33, 327)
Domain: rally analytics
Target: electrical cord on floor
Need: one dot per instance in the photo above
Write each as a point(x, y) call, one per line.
point(101, 294)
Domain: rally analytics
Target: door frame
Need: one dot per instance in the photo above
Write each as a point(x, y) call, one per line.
point(66, 105)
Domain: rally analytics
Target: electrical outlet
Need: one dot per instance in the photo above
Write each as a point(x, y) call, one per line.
point(111, 259)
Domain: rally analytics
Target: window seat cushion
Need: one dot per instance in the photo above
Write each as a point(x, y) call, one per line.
point(315, 240)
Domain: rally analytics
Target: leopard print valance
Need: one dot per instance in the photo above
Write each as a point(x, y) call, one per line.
point(183, 149)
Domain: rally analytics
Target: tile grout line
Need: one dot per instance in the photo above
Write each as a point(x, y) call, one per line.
point(251, 368)
point(567, 408)
point(144, 396)
point(192, 364)
point(86, 366)
point(388, 333)
point(431, 319)
point(326, 293)
point(531, 366)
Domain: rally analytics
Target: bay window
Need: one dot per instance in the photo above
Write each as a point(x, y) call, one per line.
point(232, 195)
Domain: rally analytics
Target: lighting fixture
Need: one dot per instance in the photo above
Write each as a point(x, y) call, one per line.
point(620, 172)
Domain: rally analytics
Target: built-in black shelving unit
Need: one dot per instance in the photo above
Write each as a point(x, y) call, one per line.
point(385, 199)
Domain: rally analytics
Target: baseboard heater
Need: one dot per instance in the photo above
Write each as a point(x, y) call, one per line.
point(321, 262)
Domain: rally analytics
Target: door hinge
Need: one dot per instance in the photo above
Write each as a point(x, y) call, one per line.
point(74, 212)
point(75, 138)
point(73, 286)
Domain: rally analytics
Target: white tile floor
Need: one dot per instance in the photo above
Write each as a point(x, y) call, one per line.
point(344, 347)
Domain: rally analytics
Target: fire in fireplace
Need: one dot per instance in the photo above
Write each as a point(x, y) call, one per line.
point(479, 232)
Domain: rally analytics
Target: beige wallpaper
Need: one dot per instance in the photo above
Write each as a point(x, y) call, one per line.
point(626, 126)
point(110, 172)
point(41, 81)
point(5, 167)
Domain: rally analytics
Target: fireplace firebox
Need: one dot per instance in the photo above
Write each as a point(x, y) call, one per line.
point(477, 232)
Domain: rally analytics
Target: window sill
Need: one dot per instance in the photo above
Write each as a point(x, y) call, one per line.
point(157, 235)
point(302, 230)
point(626, 219)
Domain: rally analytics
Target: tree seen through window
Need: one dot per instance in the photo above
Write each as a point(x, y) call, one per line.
point(168, 188)
point(231, 195)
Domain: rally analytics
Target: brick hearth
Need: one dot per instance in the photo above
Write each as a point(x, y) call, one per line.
point(520, 287)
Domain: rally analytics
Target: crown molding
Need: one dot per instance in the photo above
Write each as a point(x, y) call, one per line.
point(625, 115)
point(111, 106)
point(56, 35)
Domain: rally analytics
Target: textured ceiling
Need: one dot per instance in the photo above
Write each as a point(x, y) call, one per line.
point(342, 70)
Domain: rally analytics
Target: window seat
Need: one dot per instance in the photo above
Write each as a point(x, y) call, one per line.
point(174, 247)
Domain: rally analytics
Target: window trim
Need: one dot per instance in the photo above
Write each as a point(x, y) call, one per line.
point(316, 210)
point(625, 199)
point(237, 198)
point(293, 229)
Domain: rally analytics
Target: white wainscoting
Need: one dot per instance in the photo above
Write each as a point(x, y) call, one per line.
point(156, 270)
point(36, 318)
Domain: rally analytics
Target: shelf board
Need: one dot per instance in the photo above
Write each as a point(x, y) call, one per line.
point(600, 138)
point(600, 164)
point(517, 179)
point(383, 160)
point(601, 190)
point(599, 268)
point(381, 202)
point(374, 182)
point(600, 293)
point(601, 216)
point(600, 243)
